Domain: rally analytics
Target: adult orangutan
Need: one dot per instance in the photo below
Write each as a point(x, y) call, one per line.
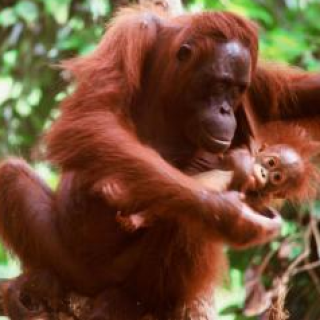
point(154, 92)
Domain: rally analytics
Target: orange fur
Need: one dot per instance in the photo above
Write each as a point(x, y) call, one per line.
point(304, 185)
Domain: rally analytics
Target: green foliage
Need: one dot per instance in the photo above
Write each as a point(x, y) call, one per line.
point(289, 30)
point(35, 35)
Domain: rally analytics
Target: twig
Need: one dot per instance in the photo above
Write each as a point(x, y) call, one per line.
point(316, 234)
point(305, 254)
point(306, 267)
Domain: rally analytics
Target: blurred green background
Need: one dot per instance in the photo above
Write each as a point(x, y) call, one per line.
point(36, 34)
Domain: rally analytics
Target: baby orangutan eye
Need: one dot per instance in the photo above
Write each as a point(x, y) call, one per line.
point(270, 162)
point(277, 178)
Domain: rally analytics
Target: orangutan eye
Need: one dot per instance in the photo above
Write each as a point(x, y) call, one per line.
point(270, 162)
point(184, 52)
point(277, 178)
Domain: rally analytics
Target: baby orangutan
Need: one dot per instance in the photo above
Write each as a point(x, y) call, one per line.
point(276, 171)
point(276, 167)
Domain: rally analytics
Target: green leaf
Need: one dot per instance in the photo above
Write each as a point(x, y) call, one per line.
point(59, 10)
point(23, 108)
point(10, 58)
point(99, 8)
point(16, 90)
point(27, 10)
point(3, 255)
point(316, 209)
point(283, 45)
point(295, 252)
point(10, 269)
point(8, 17)
point(47, 174)
point(34, 96)
point(5, 88)
point(288, 228)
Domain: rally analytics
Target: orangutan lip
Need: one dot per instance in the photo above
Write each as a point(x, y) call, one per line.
point(268, 213)
point(221, 142)
point(216, 145)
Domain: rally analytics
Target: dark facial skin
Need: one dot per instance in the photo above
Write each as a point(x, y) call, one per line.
point(196, 112)
point(219, 84)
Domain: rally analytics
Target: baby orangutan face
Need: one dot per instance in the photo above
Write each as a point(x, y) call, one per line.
point(277, 169)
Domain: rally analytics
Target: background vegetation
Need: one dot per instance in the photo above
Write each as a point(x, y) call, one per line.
point(36, 34)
